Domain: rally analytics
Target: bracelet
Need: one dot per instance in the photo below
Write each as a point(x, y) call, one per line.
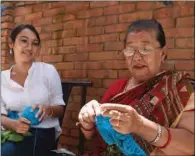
point(50, 115)
point(168, 139)
point(159, 134)
point(81, 127)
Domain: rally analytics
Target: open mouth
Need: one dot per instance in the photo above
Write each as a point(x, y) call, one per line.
point(28, 54)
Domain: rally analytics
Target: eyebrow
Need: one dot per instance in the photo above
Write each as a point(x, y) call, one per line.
point(27, 38)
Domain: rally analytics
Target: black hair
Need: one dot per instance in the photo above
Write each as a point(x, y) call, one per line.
point(148, 25)
point(21, 27)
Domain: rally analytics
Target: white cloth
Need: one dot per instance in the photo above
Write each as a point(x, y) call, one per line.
point(42, 86)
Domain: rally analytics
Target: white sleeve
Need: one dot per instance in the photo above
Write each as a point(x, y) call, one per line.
point(55, 87)
point(3, 107)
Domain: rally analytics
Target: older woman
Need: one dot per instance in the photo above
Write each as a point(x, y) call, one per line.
point(155, 106)
point(30, 83)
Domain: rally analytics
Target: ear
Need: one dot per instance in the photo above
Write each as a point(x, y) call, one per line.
point(164, 53)
point(10, 43)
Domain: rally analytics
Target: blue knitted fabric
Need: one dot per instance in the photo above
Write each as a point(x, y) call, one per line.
point(31, 115)
point(124, 142)
point(13, 115)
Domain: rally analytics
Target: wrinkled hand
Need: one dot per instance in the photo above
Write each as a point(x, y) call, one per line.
point(124, 119)
point(21, 125)
point(44, 110)
point(87, 114)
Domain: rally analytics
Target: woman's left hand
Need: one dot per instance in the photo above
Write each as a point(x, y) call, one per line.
point(43, 111)
point(124, 119)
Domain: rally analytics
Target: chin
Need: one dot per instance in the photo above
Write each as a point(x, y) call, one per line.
point(140, 77)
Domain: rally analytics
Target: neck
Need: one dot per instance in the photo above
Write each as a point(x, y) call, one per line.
point(23, 67)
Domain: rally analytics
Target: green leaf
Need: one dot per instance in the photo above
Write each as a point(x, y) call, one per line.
point(27, 134)
point(15, 137)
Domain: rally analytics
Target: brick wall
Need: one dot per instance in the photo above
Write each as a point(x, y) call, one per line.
point(84, 41)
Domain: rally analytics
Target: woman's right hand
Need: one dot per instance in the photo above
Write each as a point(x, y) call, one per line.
point(21, 125)
point(87, 114)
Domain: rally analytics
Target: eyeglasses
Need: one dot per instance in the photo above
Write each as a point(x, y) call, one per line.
point(25, 42)
point(144, 51)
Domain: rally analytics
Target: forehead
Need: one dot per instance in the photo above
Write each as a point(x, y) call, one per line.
point(142, 36)
point(28, 34)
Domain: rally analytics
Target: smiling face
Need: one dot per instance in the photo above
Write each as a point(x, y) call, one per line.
point(26, 46)
point(146, 64)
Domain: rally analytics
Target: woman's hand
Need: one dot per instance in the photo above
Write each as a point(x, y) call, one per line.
point(87, 114)
point(124, 119)
point(21, 125)
point(43, 111)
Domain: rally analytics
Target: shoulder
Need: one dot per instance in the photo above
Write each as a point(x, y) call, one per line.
point(120, 83)
point(45, 66)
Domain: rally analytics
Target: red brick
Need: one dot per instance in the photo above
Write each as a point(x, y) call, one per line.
point(180, 54)
point(33, 16)
point(69, 17)
point(64, 34)
point(58, 4)
point(47, 6)
point(74, 133)
point(4, 60)
point(44, 21)
point(102, 73)
point(23, 11)
point(110, 55)
point(89, 98)
point(170, 43)
point(122, 36)
point(58, 19)
point(76, 6)
point(185, 22)
point(107, 82)
point(19, 19)
point(105, 20)
point(192, 74)
point(7, 4)
point(74, 74)
point(90, 31)
point(185, 42)
point(89, 48)
point(8, 12)
point(45, 36)
point(76, 57)
point(119, 9)
point(145, 5)
point(179, 32)
point(5, 66)
point(103, 38)
point(88, 65)
point(114, 46)
point(53, 58)
point(37, 8)
point(4, 39)
point(64, 66)
point(75, 41)
point(38, 29)
point(4, 46)
point(167, 22)
point(6, 18)
point(116, 64)
point(102, 4)
point(52, 12)
point(183, 11)
point(116, 28)
point(74, 24)
point(130, 17)
point(96, 82)
point(90, 13)
point(5, 32)
point(63, 50)
point(185, 65)
point(3, 52)
point(53, 27)
point(45, 51)
point(29, 3)
point(7, 25)
point(124, 74)
point(163, 13)
point(65, 131)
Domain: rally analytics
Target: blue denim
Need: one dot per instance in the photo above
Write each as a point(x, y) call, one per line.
point(41, 146)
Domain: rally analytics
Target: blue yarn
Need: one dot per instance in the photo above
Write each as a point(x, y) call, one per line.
point(124, 142)
point(13, 115)
point(31, 115)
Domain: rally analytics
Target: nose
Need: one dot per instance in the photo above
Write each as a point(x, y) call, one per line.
point(137, 56)
point(29, 46)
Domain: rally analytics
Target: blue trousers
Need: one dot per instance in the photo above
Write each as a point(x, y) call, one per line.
point(39, 144)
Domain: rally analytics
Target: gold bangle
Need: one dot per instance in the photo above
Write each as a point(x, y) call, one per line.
point(50, 115)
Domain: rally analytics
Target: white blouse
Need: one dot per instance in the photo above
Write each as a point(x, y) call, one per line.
point(42, 86)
